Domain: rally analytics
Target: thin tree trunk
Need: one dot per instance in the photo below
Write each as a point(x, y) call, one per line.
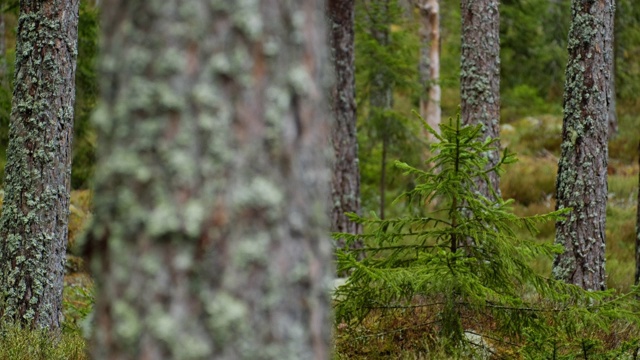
point(611, 53)
point(383, 175)
point(429, 67)
point(480, 78)
point(582, 168)
point(35, 213)
point(613, 115)
point(210, 233)
point(3, 53)
point(637, 276)
point(381, 97)
point(346, 173)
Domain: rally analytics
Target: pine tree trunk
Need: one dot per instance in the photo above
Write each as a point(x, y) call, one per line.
point(480, 77)
point(381, 93)
point(429, 67)
point(35, 213)
point(582, 168)
point(637, 275)
point(346, 173)
point(210, 233)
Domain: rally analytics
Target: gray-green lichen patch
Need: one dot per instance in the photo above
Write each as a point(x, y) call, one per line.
point(201, 163)
point(583, 164)
point(36, 205)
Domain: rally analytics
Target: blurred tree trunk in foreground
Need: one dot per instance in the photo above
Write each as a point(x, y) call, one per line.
point(35, 212)
point(209, 239)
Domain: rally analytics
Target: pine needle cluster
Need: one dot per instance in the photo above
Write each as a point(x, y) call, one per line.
point(460, 260)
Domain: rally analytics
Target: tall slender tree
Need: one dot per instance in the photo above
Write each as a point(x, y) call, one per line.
point(3, 52)
point(429, 67)
point(613, 113)
point(582, 168)
point(381, 82)
point(346, 173)
point(480, 78)
point(35, 213)
point(637, 275)
point(210, 235)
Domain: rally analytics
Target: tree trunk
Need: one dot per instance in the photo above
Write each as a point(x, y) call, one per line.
point(637, 277)
point(346, 173)
point(3, 53)
point(429, 67)
point(35, 213)
point(480, 77)
point(613, 115)
point(381, 95)
point(210, 233)
point(582, 168)
point(611, 52)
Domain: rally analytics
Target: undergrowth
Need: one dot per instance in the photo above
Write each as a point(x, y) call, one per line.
point(17, 343)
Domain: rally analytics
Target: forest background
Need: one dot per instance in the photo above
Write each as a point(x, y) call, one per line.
point(533, 58)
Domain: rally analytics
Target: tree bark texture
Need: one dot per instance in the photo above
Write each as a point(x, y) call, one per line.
point(381, 92)
point(210, 233)
point(480, 77)
point(429, 67)
point(582, 168)
point(35, 213)
point(346, 172)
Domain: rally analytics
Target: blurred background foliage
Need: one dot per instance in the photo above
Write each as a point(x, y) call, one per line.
point(533, 57)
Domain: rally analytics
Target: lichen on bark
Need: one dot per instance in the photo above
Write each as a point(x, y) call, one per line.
point(209, 236)
point(33, 228)
point(346, 175)
point(480, 78)
point(582, 168)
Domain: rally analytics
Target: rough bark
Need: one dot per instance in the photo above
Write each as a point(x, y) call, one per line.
point(346, 174)
point(582, 168)
point(210, 233)
point(381, 93)
point(429, 67)
point(33, 227)
point(480, 77)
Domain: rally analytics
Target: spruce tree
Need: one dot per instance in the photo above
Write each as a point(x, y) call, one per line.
point(419, 261)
